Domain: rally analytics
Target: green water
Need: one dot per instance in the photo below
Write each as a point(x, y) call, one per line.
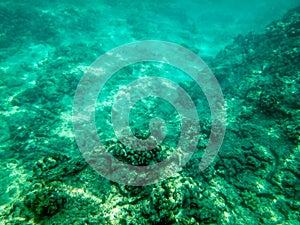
point(51, 175)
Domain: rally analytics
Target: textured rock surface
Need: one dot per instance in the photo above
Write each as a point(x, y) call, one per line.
point(254, 180)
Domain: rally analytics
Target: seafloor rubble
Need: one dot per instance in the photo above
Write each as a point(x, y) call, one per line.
point(254, 179)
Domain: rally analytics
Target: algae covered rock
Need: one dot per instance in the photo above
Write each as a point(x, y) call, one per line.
point(139, 158)
point(4, 130)
point(28, 96)
point(57, 166)
point(45, 202)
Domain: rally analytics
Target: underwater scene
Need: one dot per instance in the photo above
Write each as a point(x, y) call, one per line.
point(149, 112)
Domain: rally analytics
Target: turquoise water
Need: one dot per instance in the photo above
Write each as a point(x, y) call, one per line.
point(52, 173)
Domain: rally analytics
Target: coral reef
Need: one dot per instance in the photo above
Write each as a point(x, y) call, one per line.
point(255, 179)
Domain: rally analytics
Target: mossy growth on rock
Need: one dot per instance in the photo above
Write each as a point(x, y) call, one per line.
point(45, 203)
point(139, 158)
